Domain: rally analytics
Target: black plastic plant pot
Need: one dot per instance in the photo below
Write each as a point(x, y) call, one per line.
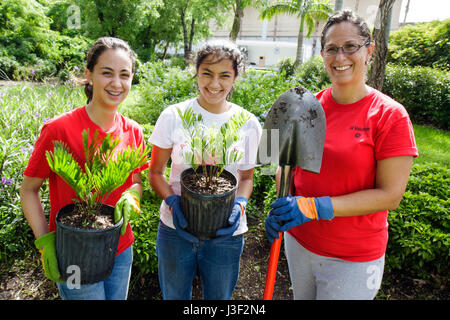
point(91, 252)
point(206, 213)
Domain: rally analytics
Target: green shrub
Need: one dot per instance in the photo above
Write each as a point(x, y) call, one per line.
point(257, 90)
point(262, 183)
point(286, 66)
point(30, 50)
point(423, 91)
point(23, 111)
point(15, 236)
point(312, 75)
point(419, 231)
point(19, 62)
point(145, 227)
point(177, 62)
point(270, 196)
point(422, 44)
point(159, 86)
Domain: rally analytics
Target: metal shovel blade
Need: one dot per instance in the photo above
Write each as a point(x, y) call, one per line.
point(301, 125)
point(294, 136)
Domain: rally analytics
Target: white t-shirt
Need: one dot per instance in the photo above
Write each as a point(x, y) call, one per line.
point(168, 133)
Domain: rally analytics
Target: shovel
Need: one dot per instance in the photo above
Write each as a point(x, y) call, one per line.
point(294, 135)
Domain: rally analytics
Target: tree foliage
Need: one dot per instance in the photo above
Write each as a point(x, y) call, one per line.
point(308, 11)
point(194, 19)
point(28, 46)
point(38, 38)
point(124, 18)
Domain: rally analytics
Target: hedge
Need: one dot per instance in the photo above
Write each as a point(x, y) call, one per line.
point(423, 91)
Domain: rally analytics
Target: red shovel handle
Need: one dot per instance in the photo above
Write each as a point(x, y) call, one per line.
point(285, 182)
point(272, 267)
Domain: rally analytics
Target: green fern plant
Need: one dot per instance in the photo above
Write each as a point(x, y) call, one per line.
point(104, 169)
point(212, 149)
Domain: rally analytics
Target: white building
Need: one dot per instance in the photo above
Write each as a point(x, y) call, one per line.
point(266, 42)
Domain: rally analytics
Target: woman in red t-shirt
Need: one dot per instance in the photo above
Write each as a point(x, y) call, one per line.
point(336, 223)
point(109, 72)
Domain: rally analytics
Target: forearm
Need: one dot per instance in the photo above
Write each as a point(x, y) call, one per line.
point(160, 185)
point(34, 212)
point(137, 183)
point(364, 202)
point(245, 188)
point(156, 177)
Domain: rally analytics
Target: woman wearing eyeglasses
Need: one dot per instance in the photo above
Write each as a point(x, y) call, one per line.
point(335, 222)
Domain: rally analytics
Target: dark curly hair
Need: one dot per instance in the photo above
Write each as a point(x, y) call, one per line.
point(220, 50)
point(346, 15)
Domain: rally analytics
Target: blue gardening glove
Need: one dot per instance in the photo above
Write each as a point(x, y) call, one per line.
point(234, 219)
point(272, 227)
point(128, 203)
point(46, 246)
point(289, 212)
point(179, 221)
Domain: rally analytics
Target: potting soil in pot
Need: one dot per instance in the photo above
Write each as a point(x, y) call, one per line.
point(77, 219)
point(197, 183)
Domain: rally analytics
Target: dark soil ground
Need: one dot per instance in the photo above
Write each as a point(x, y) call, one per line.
point(26, 280)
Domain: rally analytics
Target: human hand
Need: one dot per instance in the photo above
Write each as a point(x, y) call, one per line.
point(128, 203)
point(179, 221)
point(234, 219)
point(289, 212)
point(46, 246)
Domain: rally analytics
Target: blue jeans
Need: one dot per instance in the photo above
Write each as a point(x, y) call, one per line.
point(178, 262)
point(115, 287)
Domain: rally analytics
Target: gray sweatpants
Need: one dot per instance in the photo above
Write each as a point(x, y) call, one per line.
point(324, 278)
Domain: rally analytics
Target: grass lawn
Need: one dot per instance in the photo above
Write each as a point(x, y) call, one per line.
point(433, 144)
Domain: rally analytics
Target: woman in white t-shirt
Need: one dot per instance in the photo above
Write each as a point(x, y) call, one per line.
point(181, 254)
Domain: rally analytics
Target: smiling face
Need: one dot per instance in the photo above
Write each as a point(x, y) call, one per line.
point(111, 78)
point(215, 80)
point(346, 69)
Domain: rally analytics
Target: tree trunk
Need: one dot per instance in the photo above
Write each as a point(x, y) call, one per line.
point(338, 5)
point(406, 11)
point(299, 55)
point(187, 52)
point(314, 45)
point(191, 38)
point(238, 14)
point(378, 66)
point(165, 51)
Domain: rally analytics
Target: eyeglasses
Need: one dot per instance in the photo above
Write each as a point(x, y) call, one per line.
point(349, 48)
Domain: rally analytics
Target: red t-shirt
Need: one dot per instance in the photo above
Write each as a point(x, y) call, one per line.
point(358, 134)
point(68, 127)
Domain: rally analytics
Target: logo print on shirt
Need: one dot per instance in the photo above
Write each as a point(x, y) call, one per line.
point(359, 130)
